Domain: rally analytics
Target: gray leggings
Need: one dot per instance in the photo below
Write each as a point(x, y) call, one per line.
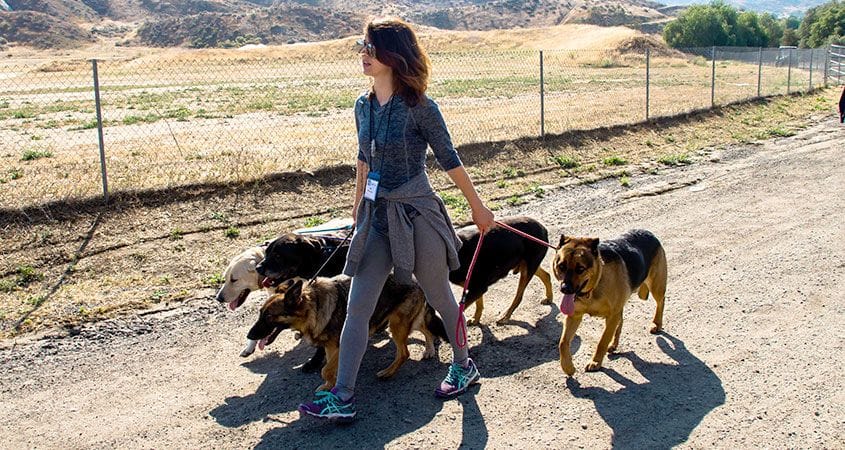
point(432, 273)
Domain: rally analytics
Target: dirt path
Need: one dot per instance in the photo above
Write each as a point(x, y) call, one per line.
point(750, 356)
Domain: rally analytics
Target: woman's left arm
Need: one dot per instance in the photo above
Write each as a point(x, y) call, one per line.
point(481, 215)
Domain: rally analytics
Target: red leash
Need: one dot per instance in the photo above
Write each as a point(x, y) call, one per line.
point(461, 329)
point(525, 235)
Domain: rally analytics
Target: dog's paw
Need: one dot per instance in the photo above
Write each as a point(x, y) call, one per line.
point(611, 349)
point(385, 374)
point(473, 323)
point(593, 367)
point(429, 353)
point(655, 329)
point(547, 301)
point(504, 320)
point(323, 387)
point(568, 369)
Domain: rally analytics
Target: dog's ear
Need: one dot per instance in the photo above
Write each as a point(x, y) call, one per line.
point(594, 245)
point(295, 291)
point(251, 266)
point(562, 241)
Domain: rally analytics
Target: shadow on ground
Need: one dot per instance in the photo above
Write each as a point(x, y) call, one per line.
point(661, 412)
point(387, 409)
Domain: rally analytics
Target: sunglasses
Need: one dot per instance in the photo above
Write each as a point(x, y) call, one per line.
point(366, 47)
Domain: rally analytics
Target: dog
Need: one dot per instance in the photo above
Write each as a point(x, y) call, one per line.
point(295, 255)
point(502, 252)
point(597, 278)
point(241, 277)
point(318, 310)
point(842, 107)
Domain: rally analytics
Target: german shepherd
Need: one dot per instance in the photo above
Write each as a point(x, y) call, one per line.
point(598, 277)
point(317, 310)
point(502, 252)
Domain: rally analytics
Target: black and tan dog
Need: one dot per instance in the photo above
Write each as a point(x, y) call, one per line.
point(317, 310)
point(598, 277)
point(502, 252)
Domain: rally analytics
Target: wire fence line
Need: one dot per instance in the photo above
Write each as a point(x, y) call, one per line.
point(79, 129)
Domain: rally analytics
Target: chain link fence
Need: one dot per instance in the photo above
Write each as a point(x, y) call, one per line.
point(187, 118)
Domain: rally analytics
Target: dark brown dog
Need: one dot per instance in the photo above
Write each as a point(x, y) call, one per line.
point(502, 252)
point(598, 277)
point(317, 310)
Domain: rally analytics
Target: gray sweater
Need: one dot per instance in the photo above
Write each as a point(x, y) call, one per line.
point(416, 193)
point(402, 135)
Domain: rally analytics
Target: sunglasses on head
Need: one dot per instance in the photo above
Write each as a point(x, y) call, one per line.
point(366, 47)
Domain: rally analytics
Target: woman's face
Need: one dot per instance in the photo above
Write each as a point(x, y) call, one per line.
point(371, 65)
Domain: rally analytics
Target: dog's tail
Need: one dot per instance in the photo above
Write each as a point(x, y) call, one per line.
point(435, 324)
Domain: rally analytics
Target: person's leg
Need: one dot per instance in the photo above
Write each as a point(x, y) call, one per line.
point(364, 292)
point(363, 295)
point(432, 272)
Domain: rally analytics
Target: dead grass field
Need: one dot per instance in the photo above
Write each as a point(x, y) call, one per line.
point(177, 117)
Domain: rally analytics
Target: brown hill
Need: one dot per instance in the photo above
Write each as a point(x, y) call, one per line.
point(224, 23)
point(41, 30)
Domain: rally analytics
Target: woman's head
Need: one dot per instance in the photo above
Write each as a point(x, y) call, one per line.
point(396, 46)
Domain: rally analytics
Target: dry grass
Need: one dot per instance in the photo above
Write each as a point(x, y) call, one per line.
point(172, 246)
point(176, 117)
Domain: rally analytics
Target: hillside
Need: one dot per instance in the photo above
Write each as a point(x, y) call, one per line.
point(226, 23)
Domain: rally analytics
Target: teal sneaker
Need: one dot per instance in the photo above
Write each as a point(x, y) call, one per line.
point(328, 405)
point(458, 380)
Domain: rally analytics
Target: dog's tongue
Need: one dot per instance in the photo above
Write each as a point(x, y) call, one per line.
point(267, 282)
point(262, 343)
point(233, 305)
point(567, 304)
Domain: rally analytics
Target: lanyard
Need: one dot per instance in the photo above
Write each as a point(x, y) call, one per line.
point(374, 135)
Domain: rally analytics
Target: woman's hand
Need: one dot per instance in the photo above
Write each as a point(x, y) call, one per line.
point(483, 218)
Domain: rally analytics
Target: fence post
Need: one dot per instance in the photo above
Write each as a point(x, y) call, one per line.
point(713, 78)
point(100, 132)
point(542, 100)
point(789, 74)
point(647, 78)
point(826, 61)
point(759, 70)
point(812, 53)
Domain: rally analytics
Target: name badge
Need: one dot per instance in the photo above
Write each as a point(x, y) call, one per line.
point(372, 186)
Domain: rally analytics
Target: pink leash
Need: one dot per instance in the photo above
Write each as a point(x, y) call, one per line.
point(461, 328)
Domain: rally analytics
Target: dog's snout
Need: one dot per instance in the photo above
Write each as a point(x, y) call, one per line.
point(219, 297)
point(566, 288)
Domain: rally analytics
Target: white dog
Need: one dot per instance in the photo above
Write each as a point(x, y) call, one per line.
point(240, 278)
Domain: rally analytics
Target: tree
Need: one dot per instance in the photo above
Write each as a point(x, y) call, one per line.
point(772, 28)
point(823, 25)
point(702, 26)
point(721, 24)
point(790, 37)
point(749, 33)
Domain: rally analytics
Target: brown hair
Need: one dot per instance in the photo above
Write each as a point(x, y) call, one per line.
point(397, 47)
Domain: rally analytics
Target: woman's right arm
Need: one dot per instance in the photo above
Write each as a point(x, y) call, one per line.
point(361, 170)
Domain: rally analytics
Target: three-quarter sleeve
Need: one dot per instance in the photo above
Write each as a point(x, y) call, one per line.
point(432, 127)
point(358, 111)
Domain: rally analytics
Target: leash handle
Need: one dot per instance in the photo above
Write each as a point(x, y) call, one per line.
point(525, 235)
point(461, 327)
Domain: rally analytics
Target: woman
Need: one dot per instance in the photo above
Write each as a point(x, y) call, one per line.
point(401, 224)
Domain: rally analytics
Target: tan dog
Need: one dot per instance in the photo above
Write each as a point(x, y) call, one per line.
point(597, 279)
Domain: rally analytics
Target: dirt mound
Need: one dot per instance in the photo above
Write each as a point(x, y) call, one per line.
point(639, 44)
